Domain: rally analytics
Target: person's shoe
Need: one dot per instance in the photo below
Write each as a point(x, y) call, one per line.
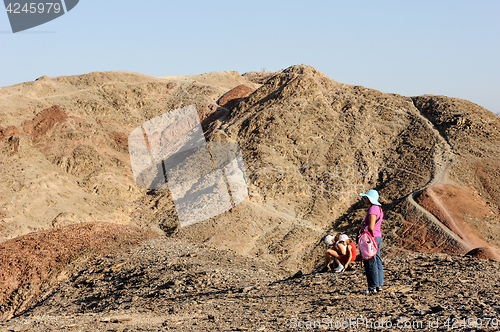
point(379, 289)
point(339, 268)
point(369, 291)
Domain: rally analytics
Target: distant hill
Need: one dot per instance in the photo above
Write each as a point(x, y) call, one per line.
point(310, 145)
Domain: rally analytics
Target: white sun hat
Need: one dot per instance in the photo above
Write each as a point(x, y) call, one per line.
point(329, 240)
point(343, 238)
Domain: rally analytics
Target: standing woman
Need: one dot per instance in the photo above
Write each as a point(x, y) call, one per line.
point(373, 219)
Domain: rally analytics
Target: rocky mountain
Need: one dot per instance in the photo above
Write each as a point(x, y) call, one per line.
point(309, 145)
point(312, 144)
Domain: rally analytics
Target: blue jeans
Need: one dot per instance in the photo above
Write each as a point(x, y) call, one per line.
point(373, 268)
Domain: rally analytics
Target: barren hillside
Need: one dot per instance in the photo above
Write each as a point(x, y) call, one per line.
point(312, 144)
point(309, 144)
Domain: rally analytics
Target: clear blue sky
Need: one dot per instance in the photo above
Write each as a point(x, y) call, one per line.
point(446, 47)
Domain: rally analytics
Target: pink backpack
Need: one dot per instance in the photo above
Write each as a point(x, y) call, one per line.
point(367, 245)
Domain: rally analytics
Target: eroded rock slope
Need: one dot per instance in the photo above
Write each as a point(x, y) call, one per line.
point(309, 144)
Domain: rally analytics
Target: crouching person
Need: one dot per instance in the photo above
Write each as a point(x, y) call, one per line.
point(348, 253)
